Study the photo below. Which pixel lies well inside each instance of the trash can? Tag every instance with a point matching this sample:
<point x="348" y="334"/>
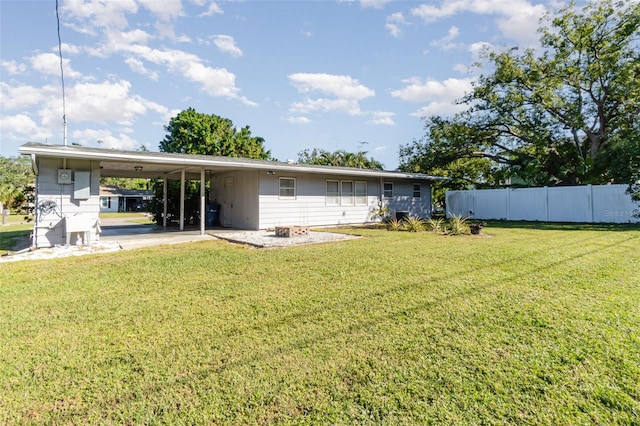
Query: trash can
<point x="213" y="211"/>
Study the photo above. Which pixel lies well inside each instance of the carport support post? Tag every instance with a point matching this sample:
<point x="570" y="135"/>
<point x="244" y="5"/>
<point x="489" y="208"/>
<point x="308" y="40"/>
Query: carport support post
<point x="182" y="200"/>
<point x="164" y="202"/>
<point x="202" y="205"/>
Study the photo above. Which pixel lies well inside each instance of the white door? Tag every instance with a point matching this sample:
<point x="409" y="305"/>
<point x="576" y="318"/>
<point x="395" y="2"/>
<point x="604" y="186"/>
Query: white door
<point x="227" y="203"/>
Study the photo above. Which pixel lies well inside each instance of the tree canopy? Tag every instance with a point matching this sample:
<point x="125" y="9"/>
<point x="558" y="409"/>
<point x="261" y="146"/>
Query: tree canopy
<point x="563" y="115"/>
<point x="192" y="132"/>
<point x="16" y="181"/>
<point x="340" y="158"/>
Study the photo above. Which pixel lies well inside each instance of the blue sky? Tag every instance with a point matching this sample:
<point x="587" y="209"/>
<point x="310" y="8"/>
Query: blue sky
<point x="353" y="75"/>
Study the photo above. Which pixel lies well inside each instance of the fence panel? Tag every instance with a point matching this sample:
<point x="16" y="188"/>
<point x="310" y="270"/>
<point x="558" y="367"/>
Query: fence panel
<point x="590" y="203"/>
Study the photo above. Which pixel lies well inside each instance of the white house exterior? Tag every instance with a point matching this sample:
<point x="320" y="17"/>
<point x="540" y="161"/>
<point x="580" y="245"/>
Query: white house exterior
<point x="252" y="194"/>
<point x="113" y="199"/>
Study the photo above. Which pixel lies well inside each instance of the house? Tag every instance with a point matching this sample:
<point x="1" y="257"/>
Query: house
<point x="252" y="194"/>
<point x="114" y="199"/>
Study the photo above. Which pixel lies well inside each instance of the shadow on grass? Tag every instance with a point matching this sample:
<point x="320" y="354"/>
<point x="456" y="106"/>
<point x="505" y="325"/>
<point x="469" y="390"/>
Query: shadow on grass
<point x="562" y="226"/>
<point x="9" y="239"/>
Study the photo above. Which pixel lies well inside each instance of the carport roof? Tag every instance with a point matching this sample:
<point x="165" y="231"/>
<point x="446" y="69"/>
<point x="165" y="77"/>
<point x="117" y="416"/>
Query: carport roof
<point x="145" y="164"/>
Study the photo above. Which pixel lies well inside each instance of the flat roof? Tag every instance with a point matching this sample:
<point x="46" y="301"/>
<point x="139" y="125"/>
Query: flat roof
<point x="146" y="164"/>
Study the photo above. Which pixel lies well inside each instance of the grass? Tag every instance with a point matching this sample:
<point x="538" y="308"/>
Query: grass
<point x="520" y="325"/>
<point x="11" y="233"/>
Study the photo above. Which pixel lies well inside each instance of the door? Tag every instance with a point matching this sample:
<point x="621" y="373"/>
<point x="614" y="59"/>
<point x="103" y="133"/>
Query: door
<point x="227" y="203"/>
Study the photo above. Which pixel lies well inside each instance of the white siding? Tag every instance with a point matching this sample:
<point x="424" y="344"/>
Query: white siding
<point x="309" y="207"/>
<point x="49" y="229"/>
<point x="403" y="200"/>
<point x="239" y="203"/>
<point x="589" y="203"/>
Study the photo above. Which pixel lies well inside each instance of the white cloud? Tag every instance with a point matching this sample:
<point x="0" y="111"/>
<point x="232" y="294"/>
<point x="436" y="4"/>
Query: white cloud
<point x="49" y="64"/>
<point x="347" y="92"/>
<point x="13" y="67"/>
<point x="104" y="138"/>
<point x="382" y="118"/>
<point x="446" y="42"/>
<point x="214" y="9"/>
<point x="15" y="97"/>
<point x="374" y="4"/>
<point x="518" y="19"/>
<point x="440" y="96"/>
<point x="298" y="120"/>
<point x="20" y="126"/>
<point x="341" y="86"/>
<point x="227" y="44"/>
<point x="394" y="23"/>
<point x="101" y="13"/>
<point x="138" y="67"/>
<point x="165" y="10"/>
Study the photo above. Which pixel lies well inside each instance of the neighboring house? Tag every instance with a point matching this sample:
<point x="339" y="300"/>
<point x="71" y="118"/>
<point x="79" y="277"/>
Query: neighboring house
<point x="252" y="194"/>
<point x="114" y="199"/>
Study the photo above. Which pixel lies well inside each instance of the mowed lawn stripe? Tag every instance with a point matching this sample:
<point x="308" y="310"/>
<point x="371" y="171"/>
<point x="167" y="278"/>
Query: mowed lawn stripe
<point x="521" y="325"/>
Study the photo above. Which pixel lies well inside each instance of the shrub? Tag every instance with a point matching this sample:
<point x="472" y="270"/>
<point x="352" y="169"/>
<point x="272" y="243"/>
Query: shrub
<point x="436" y="225"/>
<point x="395" y="225"/>
<point x="457" y="225"/>
<point x="413" y="224"/>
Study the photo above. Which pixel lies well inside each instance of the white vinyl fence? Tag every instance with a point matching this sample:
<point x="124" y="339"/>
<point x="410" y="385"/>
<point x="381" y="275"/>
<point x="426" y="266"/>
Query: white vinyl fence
<point x="590" y="203"/>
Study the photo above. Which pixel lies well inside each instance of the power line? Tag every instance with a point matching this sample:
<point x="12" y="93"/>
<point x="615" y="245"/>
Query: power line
<point x="64" y="106"/>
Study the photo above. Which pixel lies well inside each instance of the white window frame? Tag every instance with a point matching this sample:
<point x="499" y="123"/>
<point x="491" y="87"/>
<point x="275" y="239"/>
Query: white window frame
<point x="348" y="198"/>
<point x="360" y="196"/>
<point x="384" y="190"/>
<point x="281" y="188"/>
<point x="332" y="198"/>
<point x="419" y="190"/>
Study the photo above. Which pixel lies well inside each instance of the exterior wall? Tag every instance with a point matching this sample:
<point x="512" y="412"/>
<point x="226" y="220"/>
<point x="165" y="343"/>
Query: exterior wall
<point x="56" y="202"/>
<point x="237" y="194"/>
<point x="589" y="203"/>
<point x="403" y="201"/>
<point x="309" y="208"/>
<point x="114" y="204"/>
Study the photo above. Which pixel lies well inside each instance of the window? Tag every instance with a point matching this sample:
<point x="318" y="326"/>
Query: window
<point x="106" y="202"/>
<point x="416" y="190"/>
<point x="361" y="193"/>
<point x="346" y="193"/>
<point x="287" y="188"/>
<point x="333" y="193"/>
<point x="388" y="190"/>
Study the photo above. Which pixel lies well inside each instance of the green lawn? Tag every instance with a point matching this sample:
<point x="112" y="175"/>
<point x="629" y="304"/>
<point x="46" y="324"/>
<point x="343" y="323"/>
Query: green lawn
<point x="528" y="324"/>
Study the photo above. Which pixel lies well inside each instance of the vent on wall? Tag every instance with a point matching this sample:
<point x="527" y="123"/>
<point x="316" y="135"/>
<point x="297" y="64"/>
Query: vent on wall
<point x="64" y="176"/>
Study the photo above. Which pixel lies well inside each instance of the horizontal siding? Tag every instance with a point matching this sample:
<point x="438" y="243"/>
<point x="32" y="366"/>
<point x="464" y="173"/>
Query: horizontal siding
<point x="310" y="208"/>
<point x="403" y="200"/>
<point x="49" y="229"/>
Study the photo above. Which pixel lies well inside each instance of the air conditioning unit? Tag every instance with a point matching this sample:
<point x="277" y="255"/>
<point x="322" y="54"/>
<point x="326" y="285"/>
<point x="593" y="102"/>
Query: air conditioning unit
<point x="64" y="176"/>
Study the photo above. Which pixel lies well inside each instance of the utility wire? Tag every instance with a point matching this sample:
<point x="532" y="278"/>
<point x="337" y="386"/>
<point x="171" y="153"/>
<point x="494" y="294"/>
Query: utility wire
<point x="64" y="106"/>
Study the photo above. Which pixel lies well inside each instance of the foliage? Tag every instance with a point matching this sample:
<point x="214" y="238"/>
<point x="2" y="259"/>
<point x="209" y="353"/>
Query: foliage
<point x="16" y="182"/>
<point x="395" y="224"/>
<point x="191" y="132"/>
<point x="413" y="224"/>
<point x="381" y="212"/>
<point x="340" y="158"/>
<point x="567" y="115"/>
<point x="436" y="225"/>
<point x="457" y="225"/>
<point x="537" y="326"/>
<point x="125" y="183"/>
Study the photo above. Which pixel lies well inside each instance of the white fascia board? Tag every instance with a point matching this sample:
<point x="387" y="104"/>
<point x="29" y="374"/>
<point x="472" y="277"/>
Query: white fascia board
<point x="180" y="160"/>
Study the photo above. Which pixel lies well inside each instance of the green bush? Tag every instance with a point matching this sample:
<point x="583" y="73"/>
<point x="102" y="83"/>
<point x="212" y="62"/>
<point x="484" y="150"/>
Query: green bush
<point x="457" y="225"/>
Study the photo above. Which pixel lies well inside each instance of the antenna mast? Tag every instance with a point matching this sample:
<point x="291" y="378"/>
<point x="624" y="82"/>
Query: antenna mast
<point x="64" y="106"/>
